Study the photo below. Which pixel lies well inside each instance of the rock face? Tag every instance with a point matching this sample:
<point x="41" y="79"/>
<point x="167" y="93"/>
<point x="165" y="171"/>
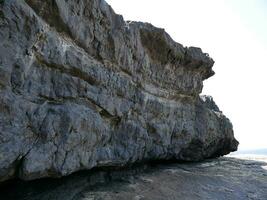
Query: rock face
<point x="82" y="88"/>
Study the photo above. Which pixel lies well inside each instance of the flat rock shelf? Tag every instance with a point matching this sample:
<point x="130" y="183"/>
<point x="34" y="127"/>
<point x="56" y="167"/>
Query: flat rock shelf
<point x="225" y="178"/>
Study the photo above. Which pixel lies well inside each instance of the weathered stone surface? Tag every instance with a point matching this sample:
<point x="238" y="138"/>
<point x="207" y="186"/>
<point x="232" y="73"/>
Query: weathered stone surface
<point x="217" y="179"/>
<point x="82" y="88"/>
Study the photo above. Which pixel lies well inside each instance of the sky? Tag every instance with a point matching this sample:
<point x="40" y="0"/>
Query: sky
<point x="234" y="34"/>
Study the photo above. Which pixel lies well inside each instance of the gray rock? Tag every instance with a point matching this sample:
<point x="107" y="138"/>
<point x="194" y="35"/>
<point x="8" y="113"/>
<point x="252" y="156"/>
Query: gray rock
<point x="224" y="178"/>
<point x="81" y="88"/>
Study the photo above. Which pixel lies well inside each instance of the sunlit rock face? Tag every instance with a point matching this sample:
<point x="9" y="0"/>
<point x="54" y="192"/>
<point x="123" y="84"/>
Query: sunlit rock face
<point x="82" y="88"/>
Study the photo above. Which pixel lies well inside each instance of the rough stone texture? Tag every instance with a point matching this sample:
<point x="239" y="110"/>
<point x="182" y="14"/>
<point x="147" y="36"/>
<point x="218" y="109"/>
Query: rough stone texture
<point x="82" y="88"/>
<point x="215" y="179"/>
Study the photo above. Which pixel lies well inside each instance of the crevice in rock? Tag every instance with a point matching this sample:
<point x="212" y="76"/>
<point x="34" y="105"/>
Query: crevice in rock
<point x="17" y="79"/>
<point x="2" y="86"/>
<point x="19" y="165"/>
<point x="2" y="16"/>
<point x="20" y="160"/>
<point x="72" y="71"/>
<point x="113" y="120"/>
<point x="127" y="72"/>
<point x="49" y="12"/>
<point x="151" y="129"/>
<point x="105" y="114"/>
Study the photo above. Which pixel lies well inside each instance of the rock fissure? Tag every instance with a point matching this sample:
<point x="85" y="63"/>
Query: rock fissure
<point x="72" y="71"/>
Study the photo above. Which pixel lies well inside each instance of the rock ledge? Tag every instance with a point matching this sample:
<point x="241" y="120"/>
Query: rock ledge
<point x="81" y="88"/>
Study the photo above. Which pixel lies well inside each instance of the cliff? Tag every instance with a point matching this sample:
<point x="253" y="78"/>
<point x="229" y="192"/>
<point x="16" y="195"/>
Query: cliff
<point x="81" y="88"/>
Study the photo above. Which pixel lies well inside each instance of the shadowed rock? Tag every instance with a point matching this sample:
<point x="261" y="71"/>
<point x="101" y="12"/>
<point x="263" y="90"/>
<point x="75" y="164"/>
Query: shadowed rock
<point x="218" y="179"/>
<point x="81" y="88"/>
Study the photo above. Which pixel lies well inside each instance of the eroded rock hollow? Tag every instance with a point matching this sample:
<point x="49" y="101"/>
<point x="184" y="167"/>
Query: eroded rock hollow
<point x="82" y="88"/>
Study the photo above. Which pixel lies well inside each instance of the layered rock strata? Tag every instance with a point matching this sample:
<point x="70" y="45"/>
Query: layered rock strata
<point x="81" y="88"/>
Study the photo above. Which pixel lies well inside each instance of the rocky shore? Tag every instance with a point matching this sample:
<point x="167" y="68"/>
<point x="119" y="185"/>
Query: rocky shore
<point x="225" y="178"/>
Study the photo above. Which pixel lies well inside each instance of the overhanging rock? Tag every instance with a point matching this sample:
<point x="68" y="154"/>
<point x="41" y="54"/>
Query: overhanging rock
<point x="82" y="88"/>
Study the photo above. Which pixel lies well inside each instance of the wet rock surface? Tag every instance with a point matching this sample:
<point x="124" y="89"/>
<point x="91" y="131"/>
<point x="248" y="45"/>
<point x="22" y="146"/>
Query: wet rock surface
<point x="81" y="88"/>
<point x="224" y="178"/>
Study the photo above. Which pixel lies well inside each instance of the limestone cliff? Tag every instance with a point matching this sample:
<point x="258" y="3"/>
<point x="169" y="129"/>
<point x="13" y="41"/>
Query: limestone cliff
<point x="82" y="88"/>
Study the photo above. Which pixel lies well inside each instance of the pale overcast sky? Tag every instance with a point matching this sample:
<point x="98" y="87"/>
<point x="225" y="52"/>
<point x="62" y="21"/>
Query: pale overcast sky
<point x="234" y="33"/>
